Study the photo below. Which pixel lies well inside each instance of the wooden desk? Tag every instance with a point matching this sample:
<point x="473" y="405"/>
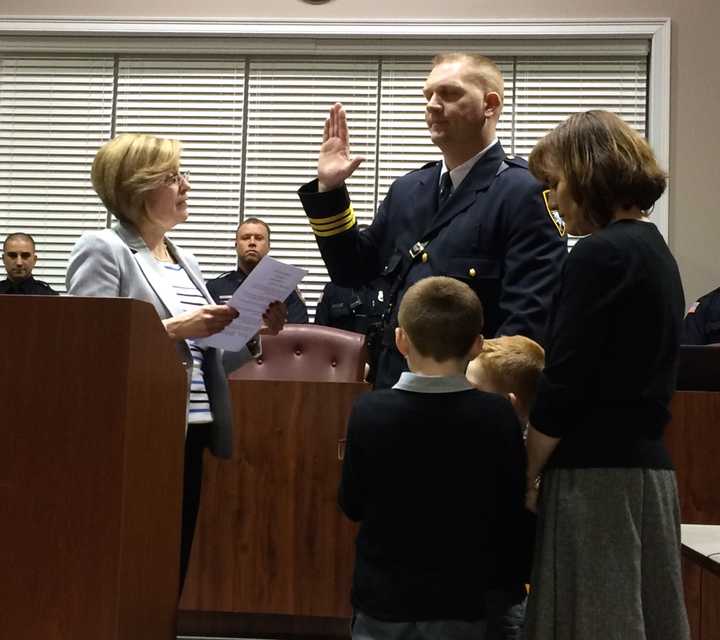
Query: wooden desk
<point x="693" y="439"/>
<point x="701" y="577"/>
<point x="273" y="555"/>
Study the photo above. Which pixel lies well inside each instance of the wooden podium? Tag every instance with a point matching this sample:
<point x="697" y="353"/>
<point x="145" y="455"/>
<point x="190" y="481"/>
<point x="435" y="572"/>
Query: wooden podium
<point x="93" y="401"/>
<point x="273" y="554"/>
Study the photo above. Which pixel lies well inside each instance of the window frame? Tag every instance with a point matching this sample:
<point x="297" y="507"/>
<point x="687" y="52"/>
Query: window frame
<point x="334" y="37"/>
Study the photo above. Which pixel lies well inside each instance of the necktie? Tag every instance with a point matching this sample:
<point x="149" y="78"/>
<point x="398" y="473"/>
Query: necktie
<point x="446" y="187"/>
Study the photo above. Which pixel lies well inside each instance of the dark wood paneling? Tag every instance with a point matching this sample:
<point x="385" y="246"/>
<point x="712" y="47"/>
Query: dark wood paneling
<point x="249" y="625"/>
<point x="710" y="616"/>
<point x="93" y="408"/>
<point x="693" y="438"/>
<point x="271" y="539"/>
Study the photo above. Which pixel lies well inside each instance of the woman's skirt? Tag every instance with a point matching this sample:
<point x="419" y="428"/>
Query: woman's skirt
<point x="607" y="557"/>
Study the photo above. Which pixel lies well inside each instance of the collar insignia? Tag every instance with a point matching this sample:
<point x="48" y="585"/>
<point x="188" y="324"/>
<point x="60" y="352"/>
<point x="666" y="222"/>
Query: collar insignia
<point x="554" y="215"/>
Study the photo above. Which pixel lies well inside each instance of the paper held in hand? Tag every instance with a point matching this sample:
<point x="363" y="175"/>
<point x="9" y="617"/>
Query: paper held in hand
<point x="269" y="281"/>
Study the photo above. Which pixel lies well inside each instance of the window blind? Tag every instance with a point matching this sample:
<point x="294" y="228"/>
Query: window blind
<point x="54" y="114"/>
<point x="251" y="127"/>
<point x="201" y="103"/>
<point x="288" y="102"/>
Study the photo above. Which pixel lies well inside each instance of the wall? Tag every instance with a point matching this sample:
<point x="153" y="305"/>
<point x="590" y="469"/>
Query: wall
<point x="695" y="84"/>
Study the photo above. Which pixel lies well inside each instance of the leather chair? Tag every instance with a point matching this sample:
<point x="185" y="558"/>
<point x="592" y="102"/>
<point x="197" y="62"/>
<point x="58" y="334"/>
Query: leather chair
<point x="308" y="352"/>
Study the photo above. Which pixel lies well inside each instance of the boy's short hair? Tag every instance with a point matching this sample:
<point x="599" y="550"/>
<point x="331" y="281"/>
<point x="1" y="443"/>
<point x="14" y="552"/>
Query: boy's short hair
<point x="511" y="364"/>
<point x="442" y="317"/>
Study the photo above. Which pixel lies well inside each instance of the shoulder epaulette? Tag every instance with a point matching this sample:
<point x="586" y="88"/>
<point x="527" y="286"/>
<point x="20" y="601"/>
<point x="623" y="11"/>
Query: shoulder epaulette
<point x="516" y="161"/>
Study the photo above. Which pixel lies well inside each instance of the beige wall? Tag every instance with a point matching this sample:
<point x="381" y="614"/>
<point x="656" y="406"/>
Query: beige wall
<point x="695" y="101"/>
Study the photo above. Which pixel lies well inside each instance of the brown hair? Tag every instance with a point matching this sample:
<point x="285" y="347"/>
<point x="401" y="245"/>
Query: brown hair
<point x="606" y="164"/>
<point x="442" y="317"/>
<point x="484" y="71"/>
<point x="512" y="364"/>
<point x="254" y="221"/>
<point x="130" y="165"/>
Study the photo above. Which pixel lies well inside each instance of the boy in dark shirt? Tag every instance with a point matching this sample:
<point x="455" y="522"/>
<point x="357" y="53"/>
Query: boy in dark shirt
<point x="434" y="470"/>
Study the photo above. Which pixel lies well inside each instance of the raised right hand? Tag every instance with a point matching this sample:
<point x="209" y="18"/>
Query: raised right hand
<point x="201" y="322"/>
<point x="335" y="164"/>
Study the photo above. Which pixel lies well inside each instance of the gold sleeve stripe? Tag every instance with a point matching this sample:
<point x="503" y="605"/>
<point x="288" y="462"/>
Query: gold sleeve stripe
<point x="334" y="232"/>
<point x="327" y="226"/>
<point x="321" y="221"/>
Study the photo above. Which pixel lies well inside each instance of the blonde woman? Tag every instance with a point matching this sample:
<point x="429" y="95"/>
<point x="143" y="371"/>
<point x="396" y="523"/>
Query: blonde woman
<point x="139" y="181"/>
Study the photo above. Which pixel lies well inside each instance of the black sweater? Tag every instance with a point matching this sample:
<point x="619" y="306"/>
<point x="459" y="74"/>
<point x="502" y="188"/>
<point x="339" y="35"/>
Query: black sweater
<point x="612" y="351"/>
<point x="437" y="481"/>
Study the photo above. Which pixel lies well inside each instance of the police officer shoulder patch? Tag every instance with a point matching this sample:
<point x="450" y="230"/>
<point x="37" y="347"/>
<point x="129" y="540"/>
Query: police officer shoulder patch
<point x="554" y="215"/>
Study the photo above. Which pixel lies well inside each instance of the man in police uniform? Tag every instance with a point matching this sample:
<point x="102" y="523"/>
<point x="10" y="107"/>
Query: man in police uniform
<point x="19" y="258"/>
<point x="252" y="243"/>
<point x="702" y="322"/>
<point x="477" y="215"/>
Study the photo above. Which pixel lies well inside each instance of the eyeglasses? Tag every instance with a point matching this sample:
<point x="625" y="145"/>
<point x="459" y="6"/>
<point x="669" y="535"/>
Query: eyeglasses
<point x="177" y="177"/>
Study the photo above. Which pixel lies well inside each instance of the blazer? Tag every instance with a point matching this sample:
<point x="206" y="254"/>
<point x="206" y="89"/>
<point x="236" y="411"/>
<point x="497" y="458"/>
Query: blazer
<point x="116" y="262"/>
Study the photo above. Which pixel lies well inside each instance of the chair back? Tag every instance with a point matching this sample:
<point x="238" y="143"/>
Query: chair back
<point x="308" y="352"/>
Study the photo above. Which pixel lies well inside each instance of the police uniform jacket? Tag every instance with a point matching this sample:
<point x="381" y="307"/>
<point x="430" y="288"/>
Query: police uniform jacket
<point x="702" y="323"/>
<point x="117" y="263"/>
<point x="495" y="232"/>
<point x="29" y="286"/>
<point x="222" y="288"/>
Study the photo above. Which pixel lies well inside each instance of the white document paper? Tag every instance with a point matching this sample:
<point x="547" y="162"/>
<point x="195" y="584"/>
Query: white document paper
<point x="269" y="281"/>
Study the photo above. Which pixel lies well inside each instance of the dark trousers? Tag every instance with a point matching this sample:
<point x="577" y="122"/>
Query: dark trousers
<point x="364" y="627"/>
<point x="196" y="441"/>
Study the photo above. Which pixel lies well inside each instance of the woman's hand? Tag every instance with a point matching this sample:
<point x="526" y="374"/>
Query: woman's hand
<point x="274" y="318"/>
<point x="201" y="322"/>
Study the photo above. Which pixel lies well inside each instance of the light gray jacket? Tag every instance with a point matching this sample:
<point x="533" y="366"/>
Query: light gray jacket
<point x="117" y="263"/>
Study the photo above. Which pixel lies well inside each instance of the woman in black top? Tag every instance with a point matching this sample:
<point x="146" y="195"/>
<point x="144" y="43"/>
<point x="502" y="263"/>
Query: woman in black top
<point x="608" y="551"/>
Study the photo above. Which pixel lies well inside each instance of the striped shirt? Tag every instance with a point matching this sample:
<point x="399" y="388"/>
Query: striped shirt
<point x="190" y="298"/>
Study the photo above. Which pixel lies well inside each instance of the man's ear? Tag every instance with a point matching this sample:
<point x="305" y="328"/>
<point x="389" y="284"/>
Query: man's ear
<point x="401" y="341"/>
<point x="493" y="104"/>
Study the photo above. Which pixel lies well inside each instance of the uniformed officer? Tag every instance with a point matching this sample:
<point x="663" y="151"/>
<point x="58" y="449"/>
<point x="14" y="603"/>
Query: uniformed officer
<point x="477" y="215"/>
<point x="252" y="243"/>
<point x="19" y="258"/>
<point x="702" y="322"/>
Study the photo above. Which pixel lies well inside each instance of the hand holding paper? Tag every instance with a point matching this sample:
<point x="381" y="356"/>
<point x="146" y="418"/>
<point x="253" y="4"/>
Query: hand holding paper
<point x="270" y="281"/>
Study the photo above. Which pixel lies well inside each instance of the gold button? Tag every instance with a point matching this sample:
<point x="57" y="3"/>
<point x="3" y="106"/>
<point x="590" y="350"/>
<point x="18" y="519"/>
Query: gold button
<point x="472" y="273"/>
<point x="424" y="257"/>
